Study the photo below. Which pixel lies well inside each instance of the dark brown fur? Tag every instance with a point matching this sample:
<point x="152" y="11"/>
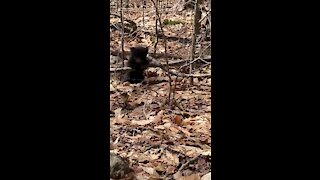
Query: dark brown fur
<point x="139" y="63"/>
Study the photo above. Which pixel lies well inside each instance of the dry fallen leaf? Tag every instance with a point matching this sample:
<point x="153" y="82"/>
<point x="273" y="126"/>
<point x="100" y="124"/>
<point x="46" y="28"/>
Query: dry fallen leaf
<point x="190" y="151"/>
<point x="177" y="119"/>
<point x="158" y="118"/>
<point x="177" y="175"/>
<point x="141" y="122"/>
<point x="117" y="113"/>
<point x="172" y="159"/>
<point x="154" y="157"/>
<point x="119" y="117"/>
<point x="112" y="89"/>
<point x="206" y="153"/>
<point x="187" y="133"/>
<point x="150" y="171"/>
<point x="192" y="177"/>
<point x="206" y="177"/>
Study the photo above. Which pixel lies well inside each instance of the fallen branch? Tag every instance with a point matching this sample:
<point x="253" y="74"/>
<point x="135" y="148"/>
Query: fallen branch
<point x="154" y="63"/>
<point x="157" y="55"/>
<point x="173" y="62"/>
<point x="177" y="73"/>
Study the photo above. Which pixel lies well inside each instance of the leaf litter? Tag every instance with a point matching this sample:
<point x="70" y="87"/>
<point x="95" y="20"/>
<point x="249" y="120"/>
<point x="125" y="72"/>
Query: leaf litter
<point x="160" y="142"/>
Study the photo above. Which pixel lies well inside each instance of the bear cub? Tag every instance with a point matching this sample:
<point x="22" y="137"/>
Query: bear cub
<point x="139" y="63"/>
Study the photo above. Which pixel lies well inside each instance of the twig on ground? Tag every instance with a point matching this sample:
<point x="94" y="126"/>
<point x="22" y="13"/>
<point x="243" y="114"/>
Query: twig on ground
<point x="187" y="163"/>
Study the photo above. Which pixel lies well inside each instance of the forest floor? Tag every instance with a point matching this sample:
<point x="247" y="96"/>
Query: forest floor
<point x="161" y="141"/>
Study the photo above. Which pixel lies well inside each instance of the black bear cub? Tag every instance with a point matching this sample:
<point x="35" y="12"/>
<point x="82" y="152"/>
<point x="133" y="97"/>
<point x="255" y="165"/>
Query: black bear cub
<point x="138" y="62"/>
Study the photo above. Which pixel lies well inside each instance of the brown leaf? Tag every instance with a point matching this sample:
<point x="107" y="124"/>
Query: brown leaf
<point x="154" y="157"/>
<point x="160" y="167"/>
<point x="174" y="129"/>
<point x="190" y="151"/>
<point x="112" y="89"/>
<point x="137" y="112"/>
<point x="187" y="133"/>
<point x="177" y="119"/>
<point x="172" y="159"/>
<point x="170" y="169"/>
<point x="192" y="177"/>
<point x="119" y="117"/>
<point x="117" y="113"/>
<point x="158" y="118"/>
<point x="150" y="171"/>
<point x="161" y="127"/>
<point x="206" y="177"/>
<point x="177" y="176"/>
<point x="186" y="122"/>
<point x="141" y="122"/>
<point x="167" y="125"/>
<point x="112" y="146"/>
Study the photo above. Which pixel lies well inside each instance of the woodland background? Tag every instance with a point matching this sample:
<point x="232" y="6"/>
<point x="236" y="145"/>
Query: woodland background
<point x="162" y="129"/>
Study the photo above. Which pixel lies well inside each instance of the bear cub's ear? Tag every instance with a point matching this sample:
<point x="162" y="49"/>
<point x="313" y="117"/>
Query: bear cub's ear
<point x="142" y="50"/>
<point x="132" y="49"/>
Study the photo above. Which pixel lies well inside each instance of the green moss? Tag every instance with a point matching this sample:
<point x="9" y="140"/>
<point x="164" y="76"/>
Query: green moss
<point x="168" y="22"/>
